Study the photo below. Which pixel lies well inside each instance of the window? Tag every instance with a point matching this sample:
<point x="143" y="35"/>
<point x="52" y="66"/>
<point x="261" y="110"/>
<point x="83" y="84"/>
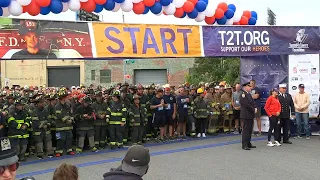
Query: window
<point x="105" y="76"/>
<point x="93" y="75"/>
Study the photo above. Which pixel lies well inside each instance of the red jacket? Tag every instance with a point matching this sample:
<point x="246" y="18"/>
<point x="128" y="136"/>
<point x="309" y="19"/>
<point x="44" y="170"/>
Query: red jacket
<point x="272" y="106"/>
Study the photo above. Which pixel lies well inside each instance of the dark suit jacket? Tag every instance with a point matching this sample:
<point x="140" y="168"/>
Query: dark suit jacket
<point x="247" y="106"/>
<point x="287" y="106"/>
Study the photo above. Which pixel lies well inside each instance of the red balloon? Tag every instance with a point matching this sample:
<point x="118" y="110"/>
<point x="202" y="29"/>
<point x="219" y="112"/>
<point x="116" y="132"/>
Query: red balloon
<point x="236" y="23"/>
<point x="179" y="12"/>
<point x="188" y="7"/>
<point x="24" y="9"/>
<point x="194" y="1"/>
<point x="244" y="20"/>
<point x="223" y="6"/>
<point x="43" y="3"/>
<point x="149" y="3"/>
<point x="138" y="8"/>
<point x="100" y="2"/>
<point x="210" y="20"/>
<point x="219" y="13"/>
<point x="88" y="6"/>
<point x="247" y="14"/>
<point x="33" y="8"/>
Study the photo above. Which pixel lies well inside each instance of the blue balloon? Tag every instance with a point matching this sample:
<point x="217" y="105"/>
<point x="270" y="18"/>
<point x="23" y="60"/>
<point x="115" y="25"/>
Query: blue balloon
<point x="233" y="7"/>
<point x="5" y="3"/>
<point x="156" y="8"/>
<point x="165" y="2"/>
<point x="109" y="5"/>
<point x="184" y="15"/>
<point x="201" y="6"/>
<point x="252" y="21"/>
<point x="119" y="1"/>
<point x="65" y="1"/>
<point x="229" y="14"/>
<point x="1" y="12"/>
<point x="99" y="8"/>
<point x="146" y="10"/>
<point x="222" y="21"/>
<point x="56" y="6"/>
<point x="254" y="14"/>
<point x="193" y="14"/>
<point x="206" y="1"/>
<point x="45" y="10"/>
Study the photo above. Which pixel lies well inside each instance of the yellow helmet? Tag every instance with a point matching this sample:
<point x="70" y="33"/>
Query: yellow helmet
<point x="200" y="91"/>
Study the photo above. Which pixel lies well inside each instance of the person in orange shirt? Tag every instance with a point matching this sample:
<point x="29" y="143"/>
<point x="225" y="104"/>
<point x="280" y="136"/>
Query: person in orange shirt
<point x="273" y="109"/>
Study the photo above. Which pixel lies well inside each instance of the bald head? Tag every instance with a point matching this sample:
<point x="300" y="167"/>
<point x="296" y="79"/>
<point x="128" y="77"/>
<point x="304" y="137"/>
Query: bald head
<point x="238" y="87"/>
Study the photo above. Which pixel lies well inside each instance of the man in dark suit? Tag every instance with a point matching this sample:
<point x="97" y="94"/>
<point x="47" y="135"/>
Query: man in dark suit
<point x="287" y="110"/>
<point x="247" y="115"/>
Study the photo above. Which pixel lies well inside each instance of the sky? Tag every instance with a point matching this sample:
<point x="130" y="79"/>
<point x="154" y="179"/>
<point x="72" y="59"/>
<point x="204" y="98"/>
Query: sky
<point x="289" y="13"/>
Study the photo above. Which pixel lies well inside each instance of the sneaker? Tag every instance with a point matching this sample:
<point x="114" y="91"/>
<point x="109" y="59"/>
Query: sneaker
<point x="299" y="137"/>
<point x="204" y="135"/>
<point x="276" y="143"/>
<point x="199" y="135"/>
<point x="308" y="138"/>
<point x="270" y="144"/>
<point x="40" y="157"/>
<point x="50" y="156"/>
<point x="258" y="134"/>
<point x="235" y="132"/>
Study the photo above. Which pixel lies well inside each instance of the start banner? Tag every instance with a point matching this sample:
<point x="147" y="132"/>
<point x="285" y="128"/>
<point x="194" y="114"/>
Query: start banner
<point x="33" y="39"/>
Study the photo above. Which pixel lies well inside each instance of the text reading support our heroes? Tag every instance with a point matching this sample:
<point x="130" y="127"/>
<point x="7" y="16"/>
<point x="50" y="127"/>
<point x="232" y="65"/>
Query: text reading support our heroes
<point x="146" y="40"/>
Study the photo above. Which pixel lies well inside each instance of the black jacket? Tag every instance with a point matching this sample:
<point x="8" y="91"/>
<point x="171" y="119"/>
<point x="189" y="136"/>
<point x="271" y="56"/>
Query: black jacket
<point x="247" y="106"/>
<point x="118" y="174"/>
<point x="287" y="106"/>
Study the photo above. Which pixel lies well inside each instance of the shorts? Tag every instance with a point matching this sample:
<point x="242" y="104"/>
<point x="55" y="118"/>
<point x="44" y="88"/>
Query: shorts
<point x="182" y="118"/>
<point x="159" y="120"/>
<point x="169" y="120"/>
<point x="236" y="114"/>
<point x="258" y="114"/>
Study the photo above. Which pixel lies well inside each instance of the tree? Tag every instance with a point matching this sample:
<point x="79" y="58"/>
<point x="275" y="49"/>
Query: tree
<point x="215" y="69"/>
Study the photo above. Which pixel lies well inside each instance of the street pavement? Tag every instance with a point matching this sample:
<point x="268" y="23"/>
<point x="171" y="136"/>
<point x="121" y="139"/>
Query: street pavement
<point x="213" y="158"/>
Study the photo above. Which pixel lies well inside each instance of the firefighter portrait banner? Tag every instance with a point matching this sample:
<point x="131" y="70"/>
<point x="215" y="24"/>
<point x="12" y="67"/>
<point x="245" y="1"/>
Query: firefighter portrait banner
<point x="31" y="39"/>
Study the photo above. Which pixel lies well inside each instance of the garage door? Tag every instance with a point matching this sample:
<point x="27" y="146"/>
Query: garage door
<point x="66" y="76"/>
<point x="146" y="77"/>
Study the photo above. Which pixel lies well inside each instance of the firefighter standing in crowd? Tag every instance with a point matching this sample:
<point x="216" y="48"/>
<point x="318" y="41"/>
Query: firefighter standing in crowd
<point x="100" y="124"/>
<point x="216" y="111"/>
<point x="126" y="101"/>
<point x="144" y="103"/>
<point x="226" y="102"/>
<point x="149" y="128"/>
<point x="18" y="122"/>
<point x="201" y="113"/>
<point x="85" y="118"/>
<point x="50" y="107"/>
<point x="41" y="129"/>
<point x="118" y="117"/>
<point x="190" y="126"/>
<point x="63" y="125"/>
<point x="137" y="118"/>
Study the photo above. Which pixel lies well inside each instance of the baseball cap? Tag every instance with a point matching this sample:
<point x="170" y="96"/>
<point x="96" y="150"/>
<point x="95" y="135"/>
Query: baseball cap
<point x="282" y="85"/>
<point x="73" y="87"/>
<point x="7" y="152"/>
<point x="136" y="161"/>
<point x="301" y="85"/>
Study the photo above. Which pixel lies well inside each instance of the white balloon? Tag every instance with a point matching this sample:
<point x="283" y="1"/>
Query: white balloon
<point x="178" y="3"/>
<point x="5" y="12"/>
<point x="116" y="7"/>
<point x="127" y="6"/>
<point x="210" y="11"/>
<point x="74" y="5"/>
<point x="229" y="21"/>
<point x="83" y="0"/>
<point x="15" y="8"/>
<point x="237" y="16"/>
<point x="201" y="16"/>
<point x="136" y="1"/>
<point x="169" y="10"/>
<point x="24" y="2"/>
<point x="65" y="7"/>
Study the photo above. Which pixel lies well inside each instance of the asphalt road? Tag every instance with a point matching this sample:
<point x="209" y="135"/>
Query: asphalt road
<point x="218" y="158"/>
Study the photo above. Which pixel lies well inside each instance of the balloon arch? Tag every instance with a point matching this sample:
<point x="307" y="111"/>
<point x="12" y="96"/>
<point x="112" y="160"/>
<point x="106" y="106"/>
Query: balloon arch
<point x="200" y="10"/>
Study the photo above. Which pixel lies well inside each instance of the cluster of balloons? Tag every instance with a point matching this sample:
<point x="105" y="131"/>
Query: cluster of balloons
<point x="200" y="10"/>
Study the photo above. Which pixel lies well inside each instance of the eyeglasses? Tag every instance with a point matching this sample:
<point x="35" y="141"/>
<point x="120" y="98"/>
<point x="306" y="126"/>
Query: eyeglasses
<point x="11" y="168"/>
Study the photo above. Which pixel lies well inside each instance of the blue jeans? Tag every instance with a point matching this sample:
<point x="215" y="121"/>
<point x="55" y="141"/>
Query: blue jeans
<point x="305" y="118"/>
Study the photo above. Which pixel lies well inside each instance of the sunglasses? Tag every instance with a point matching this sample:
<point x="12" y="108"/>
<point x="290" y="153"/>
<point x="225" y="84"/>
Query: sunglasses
<point x="11" y="168"/>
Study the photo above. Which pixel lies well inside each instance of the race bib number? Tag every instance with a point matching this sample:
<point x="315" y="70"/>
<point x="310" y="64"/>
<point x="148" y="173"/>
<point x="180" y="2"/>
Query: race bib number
<point x="169" y="107"/>
<point x="227" y="106"/>
<point x="237" y="103"/>
<point x="58" y="135"/>
<point x="160" y="108"/>
<point x="185" y="106"/>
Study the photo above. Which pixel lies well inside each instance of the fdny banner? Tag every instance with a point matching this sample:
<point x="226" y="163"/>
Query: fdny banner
<point x="267" y="71"/>
<point x="259" y="40"/>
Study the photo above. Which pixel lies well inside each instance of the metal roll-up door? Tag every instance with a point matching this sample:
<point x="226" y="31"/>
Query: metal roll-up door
<point x="149" y="76"/>
<point x="66" y="76"/>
